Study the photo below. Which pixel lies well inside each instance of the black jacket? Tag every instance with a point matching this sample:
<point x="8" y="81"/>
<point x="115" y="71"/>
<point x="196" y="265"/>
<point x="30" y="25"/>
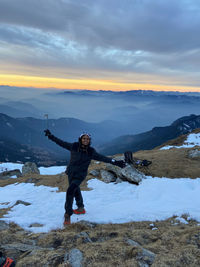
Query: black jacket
<point x="80" y="158"/>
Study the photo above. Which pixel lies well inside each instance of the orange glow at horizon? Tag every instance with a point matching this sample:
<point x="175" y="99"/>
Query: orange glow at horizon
<point x="88" y="84"/>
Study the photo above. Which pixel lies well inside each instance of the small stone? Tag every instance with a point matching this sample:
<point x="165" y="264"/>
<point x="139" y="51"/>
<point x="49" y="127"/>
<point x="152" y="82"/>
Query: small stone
<point x="36" y="225"/>
<point x="3" y="226"/>
<point x="118" y="180"/>
<point x="74" y="258"/>
<point x="32" y="180"/>
<point x="18" y="202"/>
<point x="85" y="237"/>
<point x="146" y="256"/>
<point x="87" y="223"/>
<point x="20" y="247"/>
<point x="94" y="173"/>
<point x="132" y="243"/>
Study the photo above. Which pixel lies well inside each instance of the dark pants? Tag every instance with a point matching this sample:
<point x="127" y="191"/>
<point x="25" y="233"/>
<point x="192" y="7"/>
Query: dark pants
<point x="73" y="191"/>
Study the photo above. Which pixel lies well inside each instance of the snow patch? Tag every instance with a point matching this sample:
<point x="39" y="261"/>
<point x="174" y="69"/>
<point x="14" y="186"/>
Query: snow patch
<point x="154" y="199"/>
<point x="191" y="141"/>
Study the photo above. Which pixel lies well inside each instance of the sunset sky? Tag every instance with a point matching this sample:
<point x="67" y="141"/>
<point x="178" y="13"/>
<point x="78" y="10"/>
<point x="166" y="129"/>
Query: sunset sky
<point x="102" y="44"/>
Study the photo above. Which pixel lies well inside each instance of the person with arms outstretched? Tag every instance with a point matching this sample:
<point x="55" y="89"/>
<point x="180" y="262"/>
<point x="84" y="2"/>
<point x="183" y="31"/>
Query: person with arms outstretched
<point x="81" y="155"/>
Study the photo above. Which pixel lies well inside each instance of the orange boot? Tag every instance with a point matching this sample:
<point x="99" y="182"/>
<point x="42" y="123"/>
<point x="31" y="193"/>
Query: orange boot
<point x="67" y="219"/>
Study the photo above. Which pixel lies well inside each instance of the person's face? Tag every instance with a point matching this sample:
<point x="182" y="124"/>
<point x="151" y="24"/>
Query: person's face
<point x="85" y="140"/>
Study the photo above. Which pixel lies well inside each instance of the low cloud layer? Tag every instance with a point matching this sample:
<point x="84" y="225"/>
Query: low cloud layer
<point x="126" y="39"/>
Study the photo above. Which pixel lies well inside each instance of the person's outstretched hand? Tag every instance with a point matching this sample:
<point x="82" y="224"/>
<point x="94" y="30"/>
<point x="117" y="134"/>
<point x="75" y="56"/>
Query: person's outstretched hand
<point x="119" y="163"/>
<point x="47" y="132"/>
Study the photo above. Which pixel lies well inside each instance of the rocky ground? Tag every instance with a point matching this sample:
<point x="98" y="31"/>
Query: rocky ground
<point x="161" y="243"/>
<point x="172" y="242"/>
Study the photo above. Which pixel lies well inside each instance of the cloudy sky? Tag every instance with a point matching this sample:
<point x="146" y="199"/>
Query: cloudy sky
<point x="101" y="44"/>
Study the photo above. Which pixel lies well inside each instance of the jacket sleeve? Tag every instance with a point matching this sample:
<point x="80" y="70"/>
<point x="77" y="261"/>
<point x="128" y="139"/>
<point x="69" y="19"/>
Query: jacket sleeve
<point x="60" y="142"/>
<point x="97" y="156"/>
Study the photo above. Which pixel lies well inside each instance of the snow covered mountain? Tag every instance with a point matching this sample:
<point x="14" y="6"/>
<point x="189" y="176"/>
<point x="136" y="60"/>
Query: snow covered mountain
<point x="153" y="138"/>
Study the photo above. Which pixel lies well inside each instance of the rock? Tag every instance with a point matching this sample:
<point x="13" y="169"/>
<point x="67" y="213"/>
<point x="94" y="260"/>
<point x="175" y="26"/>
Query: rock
<point x="3" y="226"/>
<point x="118" y="181"/>
<point x="94" y="173"/>
<point x="107" y="176"/>
<point x="74" y="258"/>
<point x="20" y="247"/>
<point x="114" y="169"/>
<point x="41" y="259"/>
<point x="32" y="180"/>
<point x="144" y="256"/>
<point x="36" y="225"/>
<point x="85" y="236"/>
<point x="87" y="224"/>
<point x="194" y="153"/>
<point x="8" y="174"/>
<point x="119" y="157"/>
<point x="129" y="173"/>
<point x="30" y="168"/>
<point x="22" y="202"/>
<point x="143" y="264"/>
<point x="132" y="175"/>
<point x="132" y="243"/>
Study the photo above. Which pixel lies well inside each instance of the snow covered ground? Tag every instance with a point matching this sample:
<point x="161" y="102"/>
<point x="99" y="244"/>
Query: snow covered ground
<point x="154" y="199"/>
<point x="191" y="141"/>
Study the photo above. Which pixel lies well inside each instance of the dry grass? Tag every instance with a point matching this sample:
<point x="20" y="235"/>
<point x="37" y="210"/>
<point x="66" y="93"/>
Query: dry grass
<point x="59" y="180"/>
<point x="174" y="245"/>
<point x="172" y="163"/>
<point x="4" y="211"/>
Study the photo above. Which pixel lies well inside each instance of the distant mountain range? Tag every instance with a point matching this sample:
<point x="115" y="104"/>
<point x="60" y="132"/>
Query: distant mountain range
<point x="23" y="138"/>
<point x="19" y="134"/>
<point x="151" y="139"/>
<point x="132" y="111"/>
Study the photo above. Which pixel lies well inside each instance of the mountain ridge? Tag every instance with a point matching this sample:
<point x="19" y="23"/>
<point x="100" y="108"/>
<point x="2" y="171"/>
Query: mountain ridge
<point x="153" y="138"/>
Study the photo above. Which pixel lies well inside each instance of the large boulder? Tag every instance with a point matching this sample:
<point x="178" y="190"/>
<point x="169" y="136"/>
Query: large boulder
<point x="129" y="173"/>
<point x="194" y="154"/>
<point x="30" y="168"/>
